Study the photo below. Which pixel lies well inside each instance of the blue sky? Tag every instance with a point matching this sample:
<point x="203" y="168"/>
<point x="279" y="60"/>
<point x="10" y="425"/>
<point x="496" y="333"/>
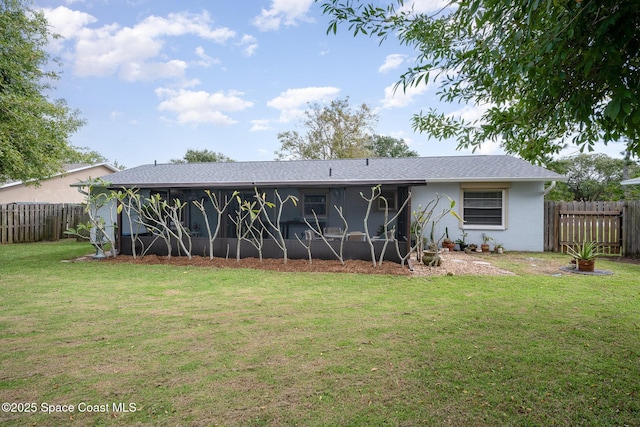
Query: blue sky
<point x="155" y="78"/>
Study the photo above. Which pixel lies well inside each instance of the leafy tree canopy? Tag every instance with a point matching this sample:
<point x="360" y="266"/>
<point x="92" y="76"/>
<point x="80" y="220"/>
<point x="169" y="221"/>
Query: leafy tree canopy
<point x="336" y="131"/>
<point x="85" y="155"/>
<point x="593" y="177"/>
<point x="202" y="156"/>
<point x="34" y="130"/>
<point x="551" y="73"/>
<point x="332" y="132"/>
<point x="387" y="146"/>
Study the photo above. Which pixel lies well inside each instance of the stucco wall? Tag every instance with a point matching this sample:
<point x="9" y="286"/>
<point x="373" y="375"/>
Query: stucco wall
<point x="54" y="190"/>
<point x="525" y="215"/>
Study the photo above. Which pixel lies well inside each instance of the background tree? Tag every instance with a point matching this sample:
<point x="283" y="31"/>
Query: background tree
<point x="34" y="130"/>
<point x="387" y="146"/>
<point x="592" y="177"/>
<point x="548" y="72"/>
<point x="85" y="155"/>
<point x="202" y="156"/>
<point x="332" y="132"/>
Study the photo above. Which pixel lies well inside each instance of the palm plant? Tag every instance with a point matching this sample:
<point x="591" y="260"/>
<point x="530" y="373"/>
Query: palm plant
<point x="586" y="251"/>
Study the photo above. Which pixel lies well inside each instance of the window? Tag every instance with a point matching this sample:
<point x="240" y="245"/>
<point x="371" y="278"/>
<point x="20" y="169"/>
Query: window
<point x="314" y="203"/>
<point x="392" y="200"/>
<point x="484" y="208"/>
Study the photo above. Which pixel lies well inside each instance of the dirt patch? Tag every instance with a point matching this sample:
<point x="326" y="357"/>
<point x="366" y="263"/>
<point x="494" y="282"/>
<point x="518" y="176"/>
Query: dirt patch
<point x="459" y="264"/>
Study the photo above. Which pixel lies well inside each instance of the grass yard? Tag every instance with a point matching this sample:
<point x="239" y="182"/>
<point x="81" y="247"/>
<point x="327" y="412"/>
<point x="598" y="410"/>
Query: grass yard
<point x="167" y="345"/>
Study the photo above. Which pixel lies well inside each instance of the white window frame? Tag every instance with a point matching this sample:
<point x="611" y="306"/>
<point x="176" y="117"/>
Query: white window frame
<point x="475" y="187"/>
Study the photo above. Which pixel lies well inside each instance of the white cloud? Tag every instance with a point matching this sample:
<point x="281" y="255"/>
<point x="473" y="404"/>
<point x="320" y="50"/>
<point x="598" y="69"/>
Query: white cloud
<point x="195" y="107"/>
<point x="249" y="44"/>
<point x="149" y="71"/>
<point x="283" y="12"/>
<point x="260" y="125"/>
<point x="129" y="51"/>
<point x="392" y="62"/>
<point x="398" y="98"/>
<point x="67" y="23"/>
<point x="292" y="102"/>
<point x="205" y="60"/>
<point x="427" y="6"/>
<point x="471" y="113"/>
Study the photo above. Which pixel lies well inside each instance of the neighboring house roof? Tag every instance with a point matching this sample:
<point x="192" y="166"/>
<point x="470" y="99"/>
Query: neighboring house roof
<point x="633" y="181"/>
<point x="68" y="168"/>
<point x="410" y="171"/>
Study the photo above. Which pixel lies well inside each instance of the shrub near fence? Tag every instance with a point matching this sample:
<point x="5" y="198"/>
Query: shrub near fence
<point x="23" y="223"/>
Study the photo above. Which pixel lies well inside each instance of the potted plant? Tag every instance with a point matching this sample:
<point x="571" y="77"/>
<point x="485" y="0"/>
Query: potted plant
<point x="471" y="248"/>
<point x="461" y="242"/>
<point x="431" y="257"/>
<point x="585" y="255"/>
<point x="485" y="243"/>
<point x="447" y="242"/>
<point x="498" y="248"/>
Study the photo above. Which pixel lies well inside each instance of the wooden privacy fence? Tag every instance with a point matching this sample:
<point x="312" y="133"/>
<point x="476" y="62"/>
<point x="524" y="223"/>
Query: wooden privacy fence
<point x="614" y="225"/>
<point x="22" y="222"/>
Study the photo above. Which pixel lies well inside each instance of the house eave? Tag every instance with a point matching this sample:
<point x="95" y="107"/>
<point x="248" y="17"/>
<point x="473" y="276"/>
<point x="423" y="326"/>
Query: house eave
<point x="275" y="184"/>
<point x="493" y="179"/>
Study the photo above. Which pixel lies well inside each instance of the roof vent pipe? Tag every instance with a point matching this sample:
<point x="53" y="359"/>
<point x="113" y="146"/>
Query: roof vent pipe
<point x="155" y="163"/>
<point x="367" y="162"/>
<point x="329" y="171"/>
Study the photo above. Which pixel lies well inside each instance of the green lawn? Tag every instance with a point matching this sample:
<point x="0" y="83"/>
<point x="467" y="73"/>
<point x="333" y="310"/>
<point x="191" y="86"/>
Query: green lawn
<point x="197" y="346"/>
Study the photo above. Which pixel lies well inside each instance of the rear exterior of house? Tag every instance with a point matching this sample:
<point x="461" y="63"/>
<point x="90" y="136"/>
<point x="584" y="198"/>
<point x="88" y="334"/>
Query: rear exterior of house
<point x="501" y="197"/>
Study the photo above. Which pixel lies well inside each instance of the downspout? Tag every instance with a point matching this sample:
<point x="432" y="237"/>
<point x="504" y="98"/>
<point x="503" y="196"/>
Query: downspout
<point x="549" y="188"/>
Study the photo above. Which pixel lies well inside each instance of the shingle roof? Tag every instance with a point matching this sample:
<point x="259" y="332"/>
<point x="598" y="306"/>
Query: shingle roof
<point x="413" y="170"/>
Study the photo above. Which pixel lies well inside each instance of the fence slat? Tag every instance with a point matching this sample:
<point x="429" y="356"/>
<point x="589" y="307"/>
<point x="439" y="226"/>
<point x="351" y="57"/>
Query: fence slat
<point x="20" y="223"/>
<point x="615" y="225"/>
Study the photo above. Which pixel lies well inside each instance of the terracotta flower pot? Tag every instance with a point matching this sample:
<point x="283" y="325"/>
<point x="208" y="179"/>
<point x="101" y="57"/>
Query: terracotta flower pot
<point x="484" y="247"/>
<point x="586" y="264"/>
<point x="450" y="246"/>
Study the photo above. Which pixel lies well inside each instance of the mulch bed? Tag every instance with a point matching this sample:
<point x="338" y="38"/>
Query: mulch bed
<point x="292" y="265"/>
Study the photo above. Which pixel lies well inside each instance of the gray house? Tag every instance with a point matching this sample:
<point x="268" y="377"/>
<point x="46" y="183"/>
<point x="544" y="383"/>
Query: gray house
<point x="497" y="196"/>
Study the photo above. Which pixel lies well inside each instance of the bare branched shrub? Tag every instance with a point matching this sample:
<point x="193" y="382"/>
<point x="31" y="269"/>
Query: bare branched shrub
<point x="276" y="234"/>
<point x="96" y="228"/>
<point x="317" y="230"/>
<point x="129" y="199"/>
<point x="177" y="227"/>
<point x="220" y="208"/>
<point x="164" y="220"/>
<point x="422" y="217"/>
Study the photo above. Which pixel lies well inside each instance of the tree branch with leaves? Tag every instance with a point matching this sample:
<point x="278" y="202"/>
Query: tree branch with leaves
<point x="546" y="74"/>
